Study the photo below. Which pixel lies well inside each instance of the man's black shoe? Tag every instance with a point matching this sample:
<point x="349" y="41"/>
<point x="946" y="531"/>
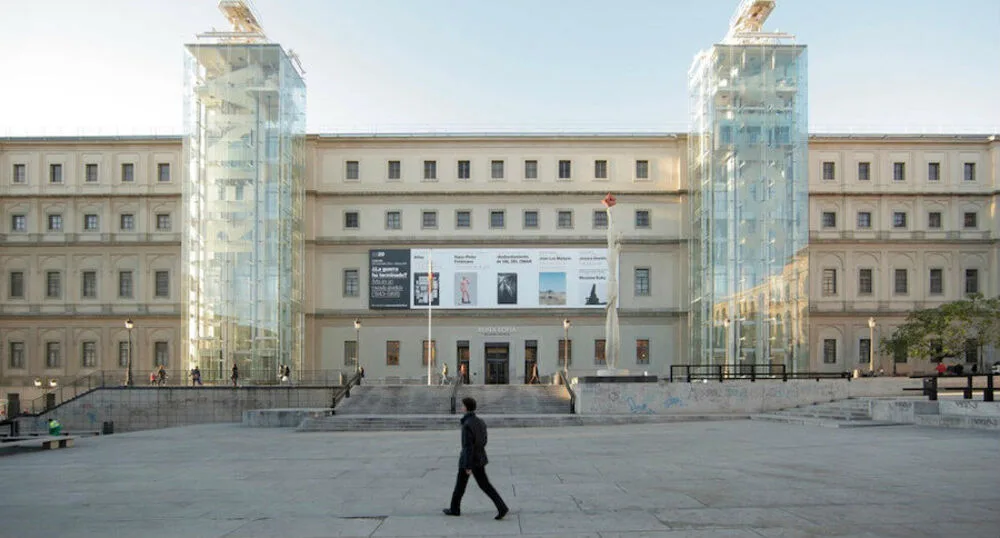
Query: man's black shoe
<point x="502" y="513"/>
<point x="450" y="512"/>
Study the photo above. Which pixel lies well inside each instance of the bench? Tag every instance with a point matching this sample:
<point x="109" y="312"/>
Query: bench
<point x="47" y="442"/>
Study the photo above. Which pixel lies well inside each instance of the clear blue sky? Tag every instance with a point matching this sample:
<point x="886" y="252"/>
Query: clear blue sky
<point x="116" y="66"/>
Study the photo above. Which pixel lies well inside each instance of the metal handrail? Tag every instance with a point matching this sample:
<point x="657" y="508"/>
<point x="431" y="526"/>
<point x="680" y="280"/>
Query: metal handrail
<point x="572" y="394"/>
<point x="753" y="372"/>
<point x="454" y="394"/>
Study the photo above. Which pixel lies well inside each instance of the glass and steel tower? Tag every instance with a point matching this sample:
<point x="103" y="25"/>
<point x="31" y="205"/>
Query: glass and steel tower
<point x="747" y="154"/>
<point x="244" y="150"/>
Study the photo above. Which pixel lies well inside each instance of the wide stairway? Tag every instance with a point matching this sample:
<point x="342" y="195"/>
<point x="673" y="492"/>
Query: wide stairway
<point x="396" y="400"/>
<point x="849" y="413"/>
<point x="517" y="399"/>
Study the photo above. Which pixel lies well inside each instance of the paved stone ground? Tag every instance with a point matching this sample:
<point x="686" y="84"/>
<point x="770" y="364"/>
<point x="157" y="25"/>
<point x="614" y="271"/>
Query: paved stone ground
<point x="734" y="479"/>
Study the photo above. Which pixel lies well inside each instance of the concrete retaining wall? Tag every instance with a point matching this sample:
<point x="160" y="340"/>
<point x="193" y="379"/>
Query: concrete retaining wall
<point x="147" y="408"/>
<point x="728" y="397"/>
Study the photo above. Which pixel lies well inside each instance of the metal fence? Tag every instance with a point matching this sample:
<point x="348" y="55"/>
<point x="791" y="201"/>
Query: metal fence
<point x="752" y="372"/>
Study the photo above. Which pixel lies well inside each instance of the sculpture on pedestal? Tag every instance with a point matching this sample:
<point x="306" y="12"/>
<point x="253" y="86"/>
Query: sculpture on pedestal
<point x="612" y="340"/>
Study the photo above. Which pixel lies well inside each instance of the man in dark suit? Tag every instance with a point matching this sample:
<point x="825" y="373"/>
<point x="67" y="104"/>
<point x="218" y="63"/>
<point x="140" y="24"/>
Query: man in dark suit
<point x="473" y="462"/>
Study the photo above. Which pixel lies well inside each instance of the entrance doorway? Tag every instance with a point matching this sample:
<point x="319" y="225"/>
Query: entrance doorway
<point x="531" y="362"/>
<point x="463" y="361"/>
<point x="497" y="363"/>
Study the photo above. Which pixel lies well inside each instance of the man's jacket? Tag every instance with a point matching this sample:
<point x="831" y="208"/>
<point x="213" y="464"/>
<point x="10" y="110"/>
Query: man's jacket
<point x="473" y="442"/>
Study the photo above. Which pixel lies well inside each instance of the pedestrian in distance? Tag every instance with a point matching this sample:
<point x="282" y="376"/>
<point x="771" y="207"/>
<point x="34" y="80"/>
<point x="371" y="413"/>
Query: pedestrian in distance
<point x="235" y="376"/>
<point x="472" y="462"/>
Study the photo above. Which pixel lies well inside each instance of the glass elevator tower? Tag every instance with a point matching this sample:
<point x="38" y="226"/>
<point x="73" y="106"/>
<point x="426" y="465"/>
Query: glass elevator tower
<point x="244" y="151"/>
<point x="747" y="154"/>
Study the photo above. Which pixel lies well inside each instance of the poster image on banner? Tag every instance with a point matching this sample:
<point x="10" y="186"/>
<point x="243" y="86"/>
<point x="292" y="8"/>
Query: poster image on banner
<point x="422" y="296"/>
<point x="389" y="279"/>
<point x="466" y="287"/>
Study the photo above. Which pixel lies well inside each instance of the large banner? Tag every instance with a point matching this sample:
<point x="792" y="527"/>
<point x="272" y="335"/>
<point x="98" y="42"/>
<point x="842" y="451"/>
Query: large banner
<point x="488" y="278"/>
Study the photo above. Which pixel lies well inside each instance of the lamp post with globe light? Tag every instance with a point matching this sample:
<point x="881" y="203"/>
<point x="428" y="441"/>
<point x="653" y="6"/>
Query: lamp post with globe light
<point x="357" y="340"/>
<point x="128" y="360"/>
<point x="871" y="346"/>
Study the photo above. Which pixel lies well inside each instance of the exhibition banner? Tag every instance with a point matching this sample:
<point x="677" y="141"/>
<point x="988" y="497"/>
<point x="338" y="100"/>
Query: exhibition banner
<point x="489" y="278"/>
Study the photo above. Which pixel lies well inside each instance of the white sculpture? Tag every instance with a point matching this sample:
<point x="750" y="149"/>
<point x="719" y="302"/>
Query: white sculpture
<point x="612" y="338"/>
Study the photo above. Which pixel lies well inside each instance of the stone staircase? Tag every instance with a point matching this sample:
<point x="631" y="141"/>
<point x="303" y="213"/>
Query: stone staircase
<point x="849" y="413"/>
<point x="517" y="399"/>
<point x="397" y="400"/>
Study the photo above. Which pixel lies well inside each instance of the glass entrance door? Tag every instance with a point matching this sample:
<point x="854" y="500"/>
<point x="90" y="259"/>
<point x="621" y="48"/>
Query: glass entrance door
<point x="497" y="363"/>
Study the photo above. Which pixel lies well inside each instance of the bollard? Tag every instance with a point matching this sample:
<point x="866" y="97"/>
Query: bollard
<point x="930" y="388"/>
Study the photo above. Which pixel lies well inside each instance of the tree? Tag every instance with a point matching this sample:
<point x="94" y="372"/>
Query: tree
<point x="944" y="332"/>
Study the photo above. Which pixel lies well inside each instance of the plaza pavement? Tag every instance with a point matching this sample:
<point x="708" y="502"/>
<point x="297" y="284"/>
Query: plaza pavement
<point x="732" y="479"/>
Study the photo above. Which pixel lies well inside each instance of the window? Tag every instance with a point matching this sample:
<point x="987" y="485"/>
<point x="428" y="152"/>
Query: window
<point x="393" y="220"/>
<point x="898" y="171"/>
<point x="829" y="351"/>
<point x="496" y="169"/>
<point x="600" y="219"/>
<point x="936" y="286"/>
<point x="864" y="171"/>
<point x="90" y="223"/>
<point x="829" y="282"/>
<point x="864" y="281"/>
<point x="565" y="357"/>
<point x="934" y="220"/>
<point x="433" y="352"/>
<point x="161" y="354"/>
<point x="15" y="289"/>
<point x="642" y="351"/>
<point x="899" y="219"/>
<point x="392" y="353"/>
<point x="828" y="170"/>
<point x="16" y="358"/>
<point x="350" y="352"/>
<point x="18" y="223"/>
<point x="352" y="220"/>
<point x="641" y="218"/>
<point x="497" y="218"/>
<point x="88" y="285"/>
<point x="55" y="173"/>
<point x="969" y="172"/>
<point x="163" y="172"/>
<point x="55" y="223"/>
<point x="601" y="169"/>
<point x="123" y="353"/>
<point x="128" y="172"/>
<point x="20" y="173"/>
<point x="864" y="350"/>
<point x="600" y="352"/>
<point x="53" y="284"/>
<point x="162" y="280"/>
<point x="641" y="288"/>
<point x="531" y="169"/>
<point x="352" y="283"/>
<point x="464" y="169"/>
<point x="864" y="220"/>
<point x="430" y="170"/>
<point x="901" y="284"/>
<point x="565" y="169"/>
<point x="642" y="169"/>
<point x="564" y="219"/>
<point x="429" y="219"/>
<point x="394" y="170"/>
<point x="530" y="219"/>
<point x="163" y="222"/>
<point x="463" y="219"/>
<point x="352" y="170"/>
<point x="53" y="354"/>
<point x="88" y="355"/>
<point x="970" y="219"/>
<point x="933" y="171"/>
<point x="126" y="289"/>
<point x="829" y="219"/>
<point x="90" y="173"/>
<point x="971" y="281"/>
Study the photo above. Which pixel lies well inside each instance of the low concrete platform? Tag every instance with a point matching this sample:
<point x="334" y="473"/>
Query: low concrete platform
<point x="344" y="423"/>
<point x="282" y="418"/>
<point x="732" y="479"/>
<point x="45" y="442"/>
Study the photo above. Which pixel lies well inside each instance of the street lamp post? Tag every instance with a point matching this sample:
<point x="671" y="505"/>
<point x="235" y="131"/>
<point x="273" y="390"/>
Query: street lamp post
<point x="357" y="340"/>
<point x="725" y="358"/>
<point x="871" y="346"/>
<point x="128" y="361"/>
<point x="566" y="325"/>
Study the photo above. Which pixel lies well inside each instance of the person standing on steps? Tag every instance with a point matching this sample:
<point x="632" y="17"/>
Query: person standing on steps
<point x="235" y="375"/>
<point x="473" y="462"/>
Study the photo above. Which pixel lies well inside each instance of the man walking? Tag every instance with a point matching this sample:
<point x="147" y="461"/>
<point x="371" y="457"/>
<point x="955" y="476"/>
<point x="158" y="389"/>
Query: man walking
<point x="473" y="462"/>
